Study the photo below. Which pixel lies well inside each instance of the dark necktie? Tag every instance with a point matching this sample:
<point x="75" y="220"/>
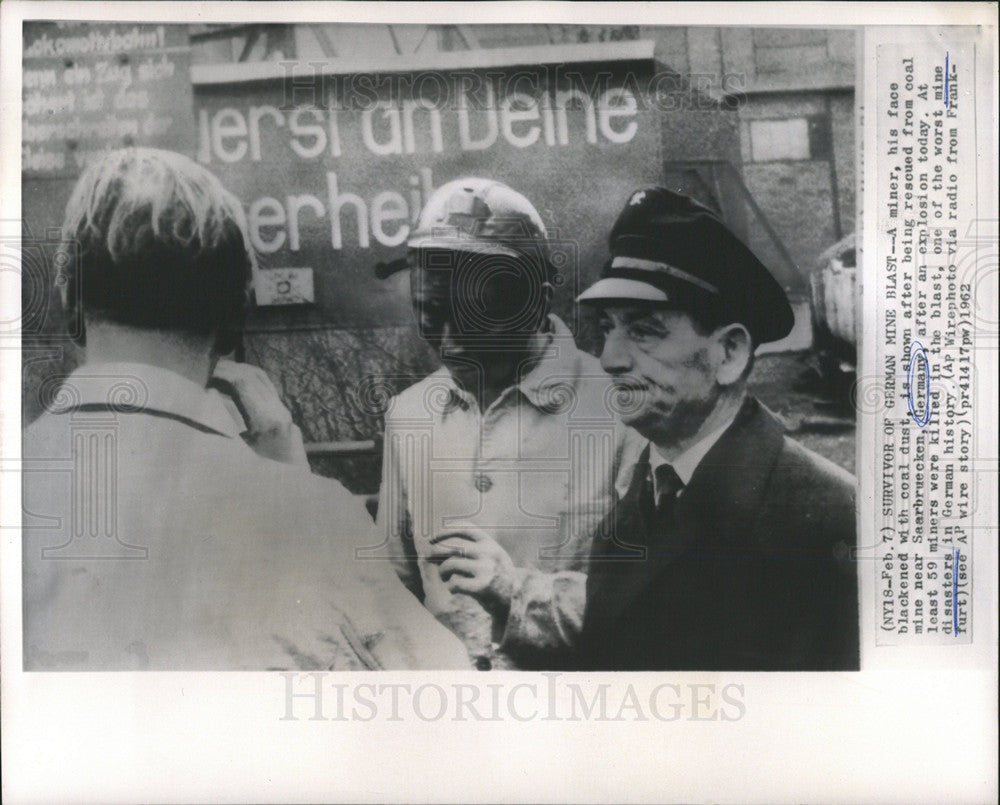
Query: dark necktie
<point x="668" y="484"/>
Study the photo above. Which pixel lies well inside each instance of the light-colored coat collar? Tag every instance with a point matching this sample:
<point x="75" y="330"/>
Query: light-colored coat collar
<point x="138" y="387"/>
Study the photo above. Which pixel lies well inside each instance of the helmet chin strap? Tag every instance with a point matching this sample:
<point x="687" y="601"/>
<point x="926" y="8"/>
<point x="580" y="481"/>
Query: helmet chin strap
<point x="386" y="270"/>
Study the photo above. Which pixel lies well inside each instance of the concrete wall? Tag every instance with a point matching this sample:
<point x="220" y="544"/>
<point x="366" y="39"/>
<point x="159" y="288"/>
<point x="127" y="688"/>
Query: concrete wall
<point x="803" y="182"/>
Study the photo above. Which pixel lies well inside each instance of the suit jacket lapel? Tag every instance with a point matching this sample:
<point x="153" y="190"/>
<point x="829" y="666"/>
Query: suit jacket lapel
<point x="620" y="551"/>
<point x="718" y="506"/>
<point x="622" y="536"/>
<point x="721" y="502"/>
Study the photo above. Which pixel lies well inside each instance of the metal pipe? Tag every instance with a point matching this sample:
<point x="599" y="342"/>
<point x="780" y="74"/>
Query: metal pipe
<point x="364" y="447"/>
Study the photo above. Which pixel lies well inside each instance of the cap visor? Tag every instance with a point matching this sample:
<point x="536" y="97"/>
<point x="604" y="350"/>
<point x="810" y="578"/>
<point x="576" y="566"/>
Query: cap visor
<point x="611" y="288"/>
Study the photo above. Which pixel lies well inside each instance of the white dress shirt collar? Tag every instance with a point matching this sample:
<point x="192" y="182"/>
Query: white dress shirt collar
<point x="687" y="462"/>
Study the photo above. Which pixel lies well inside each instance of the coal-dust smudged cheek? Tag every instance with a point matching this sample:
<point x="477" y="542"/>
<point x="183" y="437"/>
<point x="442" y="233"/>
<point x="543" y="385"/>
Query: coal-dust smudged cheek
<point x="698" y="361"/>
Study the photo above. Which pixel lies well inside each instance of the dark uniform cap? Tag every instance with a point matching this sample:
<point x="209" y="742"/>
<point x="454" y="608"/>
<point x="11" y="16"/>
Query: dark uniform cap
<point x="665" y="245"/>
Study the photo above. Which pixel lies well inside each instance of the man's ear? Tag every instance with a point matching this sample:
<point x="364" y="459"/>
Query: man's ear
<point x="72" y="311"/>
<point x="737" y="352"/>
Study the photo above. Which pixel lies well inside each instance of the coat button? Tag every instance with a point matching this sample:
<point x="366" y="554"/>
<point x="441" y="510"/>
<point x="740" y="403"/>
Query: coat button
<point x="483" y="482"/>
<point x="484" y="664"/>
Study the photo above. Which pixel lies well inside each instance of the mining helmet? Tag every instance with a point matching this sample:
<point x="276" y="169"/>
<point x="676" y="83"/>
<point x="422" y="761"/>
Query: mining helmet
<point x="479" y="217"/>
<point x="482" y="216"/>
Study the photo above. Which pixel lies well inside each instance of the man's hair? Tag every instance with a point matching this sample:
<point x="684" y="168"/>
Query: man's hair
<point x="161" y="244"/>
<point x="707" y="316"/>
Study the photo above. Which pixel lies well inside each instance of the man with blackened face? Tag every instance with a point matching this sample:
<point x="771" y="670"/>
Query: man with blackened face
<point x="498" y="466"/>
<point x="482" y="313"/>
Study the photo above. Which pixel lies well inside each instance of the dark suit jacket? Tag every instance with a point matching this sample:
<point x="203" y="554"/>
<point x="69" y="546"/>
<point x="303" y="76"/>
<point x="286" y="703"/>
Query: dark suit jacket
<point x="757" y="574"/>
